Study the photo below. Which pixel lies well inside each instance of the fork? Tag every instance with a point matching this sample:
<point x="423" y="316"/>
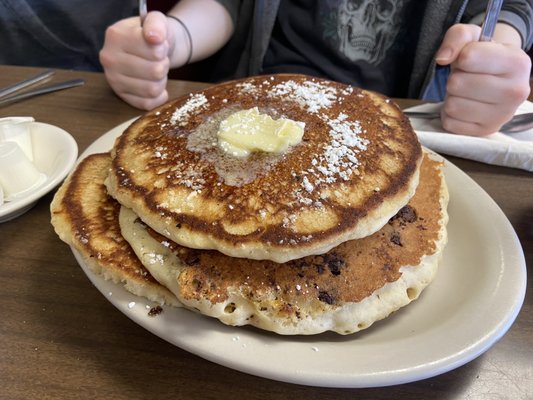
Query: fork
<point x="7" y="95"/>
<point x="519" y="123"/>
<point x="491" y="18"/>
<point x="143" y="10"/>
<point x="43" y="90"/>
<point x="487" y="30"/>
<point x="40" y="77"/>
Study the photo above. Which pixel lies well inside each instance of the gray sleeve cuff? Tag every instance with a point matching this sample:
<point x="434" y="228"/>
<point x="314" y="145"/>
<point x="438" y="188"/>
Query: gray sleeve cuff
<point x="515" y="21"/>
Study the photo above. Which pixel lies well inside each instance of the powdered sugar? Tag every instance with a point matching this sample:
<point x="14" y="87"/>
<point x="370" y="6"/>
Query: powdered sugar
<point x="154" y="258"/>
<point x="339" y="158"/>
<point x="160" y="152"/>
<point x="311" y="95"/>
<point x="336" y="160"/>
<point x="195" y="102"/>
<point x="247" y="87"/>
<point x="308" y="186"/>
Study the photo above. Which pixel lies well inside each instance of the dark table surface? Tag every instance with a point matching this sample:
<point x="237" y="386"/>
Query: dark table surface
<point x="61" y="339"/>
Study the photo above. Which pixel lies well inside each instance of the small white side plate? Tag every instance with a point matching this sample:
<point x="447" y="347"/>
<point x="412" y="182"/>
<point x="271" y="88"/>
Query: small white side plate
<point x="55" y="152"/>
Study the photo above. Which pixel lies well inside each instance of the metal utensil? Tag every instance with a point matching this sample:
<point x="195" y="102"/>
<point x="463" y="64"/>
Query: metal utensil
<point x="422" y="114"/>
<point x="143" y="10"/>
<point x="40" y="77"/>
<point x="519" y="123"/>
<point x="491" y="18"/>
<point x="487" y="30"/>
<point x="42" y="90"/>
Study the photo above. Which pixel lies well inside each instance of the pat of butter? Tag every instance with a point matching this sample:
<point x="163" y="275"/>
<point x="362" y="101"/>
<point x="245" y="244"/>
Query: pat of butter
<point x="247" y="131"/>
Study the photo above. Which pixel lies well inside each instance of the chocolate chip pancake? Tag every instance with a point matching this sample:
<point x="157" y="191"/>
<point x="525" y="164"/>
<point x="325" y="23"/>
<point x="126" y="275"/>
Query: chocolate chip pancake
<point x="356" y="167"/>
<point x="85" y="217"/>
<point x="344" y="290"/>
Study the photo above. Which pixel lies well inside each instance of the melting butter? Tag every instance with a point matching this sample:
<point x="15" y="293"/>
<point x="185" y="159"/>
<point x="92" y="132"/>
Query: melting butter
<point x="248" y="131"/>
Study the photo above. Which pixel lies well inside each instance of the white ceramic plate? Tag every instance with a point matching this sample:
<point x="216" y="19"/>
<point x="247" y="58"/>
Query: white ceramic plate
<point x="54" y="152"/>
<point x="476" y="296"/>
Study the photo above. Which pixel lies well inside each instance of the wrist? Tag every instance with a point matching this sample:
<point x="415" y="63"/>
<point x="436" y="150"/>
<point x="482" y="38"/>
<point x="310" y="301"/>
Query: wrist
<point x="182" y="49"/>
<point x="507" y="34"/>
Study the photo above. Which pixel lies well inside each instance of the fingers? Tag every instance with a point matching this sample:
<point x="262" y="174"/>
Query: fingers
<point x="144" y="103"/>
<point x="481" y="111"/>
<point x="488" y="81"/>
<point x="455" y="39"/>
<point x="135" y="60"/>
<point x="134" y="66"/>
<point x="492" y="59"/>
<point x="462" y="49"/>
<point x="143" y="89"/>
<point x="128" y="37"/>
<point x="470" y="117"/>
<point x="479" y="103"/>
<point x="155" y="28"/>
<point x="486" y="88"/>
<point x="132" y="84"/>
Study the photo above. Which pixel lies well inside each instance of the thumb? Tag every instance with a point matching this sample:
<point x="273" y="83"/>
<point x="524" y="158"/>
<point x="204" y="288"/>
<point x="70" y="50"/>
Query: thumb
<point x="155" y="28"/>
<point x="455" y="39"/>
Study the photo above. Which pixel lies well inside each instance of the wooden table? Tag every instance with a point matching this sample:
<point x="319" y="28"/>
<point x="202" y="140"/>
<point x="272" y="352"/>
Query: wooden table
<point x="61" y="339"/>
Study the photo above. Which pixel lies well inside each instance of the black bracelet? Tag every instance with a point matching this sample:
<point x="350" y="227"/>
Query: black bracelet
<point x="189" y="37"/>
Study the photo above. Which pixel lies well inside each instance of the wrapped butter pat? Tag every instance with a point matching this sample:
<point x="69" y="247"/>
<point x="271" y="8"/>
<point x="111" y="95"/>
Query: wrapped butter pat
<point x="17" y="129"/>
<point x="18" y="175"/>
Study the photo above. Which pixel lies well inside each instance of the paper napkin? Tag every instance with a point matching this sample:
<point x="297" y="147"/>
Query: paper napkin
<point x="509" y="150"/>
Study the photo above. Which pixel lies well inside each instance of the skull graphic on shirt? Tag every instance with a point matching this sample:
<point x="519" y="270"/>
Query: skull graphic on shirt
<point x="367" y="28"/>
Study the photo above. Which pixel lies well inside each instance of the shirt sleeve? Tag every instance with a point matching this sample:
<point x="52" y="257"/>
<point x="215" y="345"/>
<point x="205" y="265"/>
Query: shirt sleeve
<point x="517" y="13"/>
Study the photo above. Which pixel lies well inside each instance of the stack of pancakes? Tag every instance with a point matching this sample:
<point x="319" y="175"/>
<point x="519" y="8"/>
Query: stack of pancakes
<point x="335" y="233"/>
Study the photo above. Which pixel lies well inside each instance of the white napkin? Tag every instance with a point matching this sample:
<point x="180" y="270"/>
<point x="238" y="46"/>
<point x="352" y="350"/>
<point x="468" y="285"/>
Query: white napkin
<point x="509" y="150"/>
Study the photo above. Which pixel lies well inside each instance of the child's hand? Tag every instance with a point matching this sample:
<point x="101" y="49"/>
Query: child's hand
<point x="136" y="59"/>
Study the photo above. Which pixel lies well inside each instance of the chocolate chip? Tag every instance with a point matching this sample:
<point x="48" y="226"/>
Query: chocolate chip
<point x="192" y="260"/>
<point x="191" y="257"/>
<point x="334" y="262"/>
<point x="325" y="297"/>
<point x="396" y="239"/>
<point x="407" y="214"/>
<point x="155" y="311"/>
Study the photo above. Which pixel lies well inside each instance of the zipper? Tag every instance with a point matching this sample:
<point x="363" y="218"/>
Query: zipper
<point x="461" y="12"/>
<point x="433" y="65"/>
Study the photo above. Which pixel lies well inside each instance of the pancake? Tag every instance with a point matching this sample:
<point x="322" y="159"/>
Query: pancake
<point x="86" y="218"/>
<point x="356" y="167"/>
<point x="345" y="290"/>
